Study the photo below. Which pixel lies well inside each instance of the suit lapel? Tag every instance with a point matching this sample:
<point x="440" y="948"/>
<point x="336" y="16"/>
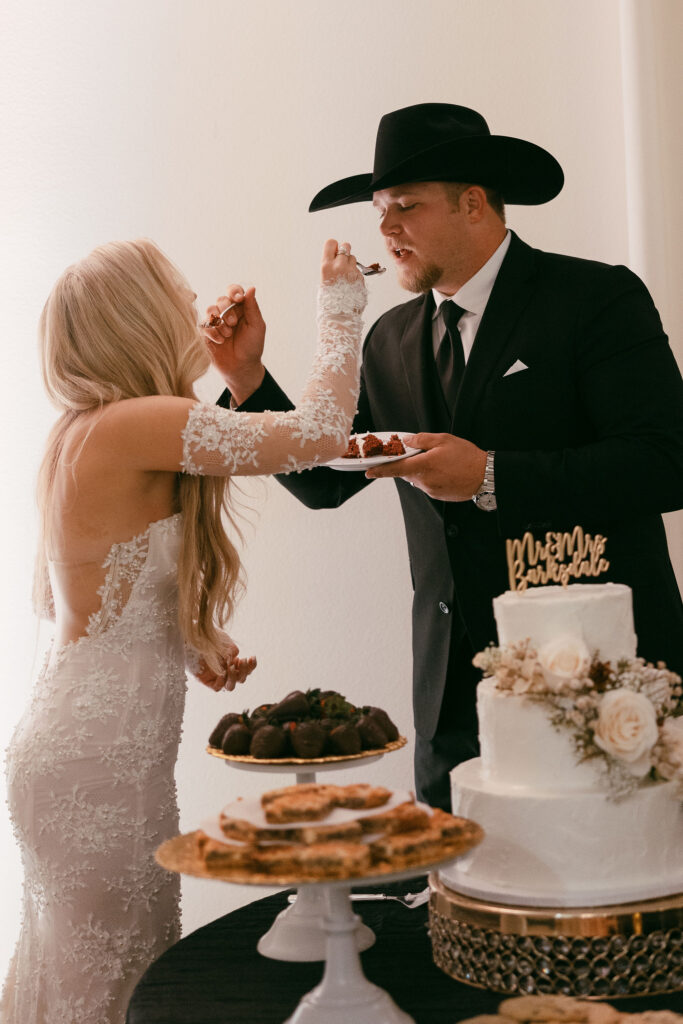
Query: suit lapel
<point x="510" y="293"/>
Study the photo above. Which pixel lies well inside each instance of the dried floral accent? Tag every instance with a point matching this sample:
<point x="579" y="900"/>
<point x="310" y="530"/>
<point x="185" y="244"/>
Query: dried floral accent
<point x="600" y="673"/>
<point x="668" y="752"/>
<point x="516" y="668"/>
<point x="621" y="718"/>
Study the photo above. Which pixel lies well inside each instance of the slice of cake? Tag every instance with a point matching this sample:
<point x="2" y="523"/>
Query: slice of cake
<point x="306" y="787"/>
<point x="361" y="796"/>
<point x="222" y="855"/>
<point x="312" y="802"/>
<point x="394" y="446"/>
<point x="294" y="806"/>
<point x="372" y="446"/>
<point x="319" y="860"/>
<point x="353" y="451"/>
<point x="401" y="849"/>
<point x="429" y="839"/>
<point x="403" y="818"/>
<point x="245" y="831"/>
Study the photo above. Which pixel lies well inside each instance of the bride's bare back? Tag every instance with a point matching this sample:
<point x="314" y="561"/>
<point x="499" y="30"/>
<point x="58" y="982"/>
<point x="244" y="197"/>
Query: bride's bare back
<point x="118" y="468"/>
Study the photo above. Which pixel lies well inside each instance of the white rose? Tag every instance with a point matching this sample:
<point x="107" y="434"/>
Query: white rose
<point x="626" y="728"/>
<point x="670" y="749"/>
<point x="562" y="660"/>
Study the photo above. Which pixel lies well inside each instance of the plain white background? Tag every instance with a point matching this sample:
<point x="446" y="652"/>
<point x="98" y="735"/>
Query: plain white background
<point x="208" y="126"/>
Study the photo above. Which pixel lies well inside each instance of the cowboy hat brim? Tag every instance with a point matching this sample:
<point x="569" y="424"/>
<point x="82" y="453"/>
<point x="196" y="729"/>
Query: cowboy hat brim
<point x="522" y="172"/>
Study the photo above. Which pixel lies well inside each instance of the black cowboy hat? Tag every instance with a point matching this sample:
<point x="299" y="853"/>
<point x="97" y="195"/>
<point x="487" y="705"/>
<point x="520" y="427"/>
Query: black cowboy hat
<point x="444" y="142"/>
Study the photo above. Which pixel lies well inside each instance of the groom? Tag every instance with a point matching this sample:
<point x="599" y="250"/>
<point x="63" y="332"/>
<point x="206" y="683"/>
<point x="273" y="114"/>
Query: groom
<point x="541" y="388"/>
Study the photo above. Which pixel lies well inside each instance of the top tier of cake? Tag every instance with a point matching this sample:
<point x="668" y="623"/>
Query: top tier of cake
<point x="600" y="614"/>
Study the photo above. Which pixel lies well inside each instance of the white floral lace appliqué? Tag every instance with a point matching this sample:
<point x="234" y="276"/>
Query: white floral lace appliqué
<point x="225" y="442"/>
<point x="92" y="795"/>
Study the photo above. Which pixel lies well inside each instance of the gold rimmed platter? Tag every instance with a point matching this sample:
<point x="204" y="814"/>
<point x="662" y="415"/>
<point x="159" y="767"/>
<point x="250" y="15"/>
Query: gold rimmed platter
<point x="180" y="854"/>
<point x="307" y="762"/>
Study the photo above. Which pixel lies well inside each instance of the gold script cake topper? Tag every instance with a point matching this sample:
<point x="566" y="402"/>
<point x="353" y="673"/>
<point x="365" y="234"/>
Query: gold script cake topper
<point x="556" y="559"/>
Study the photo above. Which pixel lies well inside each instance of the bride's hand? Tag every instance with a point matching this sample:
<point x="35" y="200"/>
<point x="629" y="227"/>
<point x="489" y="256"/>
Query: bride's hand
<point x="338" y="264"/>
<point x="234" y="672"/>
<point x="233" y="669"/>
<point x="236" y="343"/>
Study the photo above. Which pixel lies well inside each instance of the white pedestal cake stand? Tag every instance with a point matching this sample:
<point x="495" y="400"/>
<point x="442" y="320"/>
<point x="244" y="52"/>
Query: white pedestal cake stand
<point x="297" y="933"/>
<point x="344" y="995"/>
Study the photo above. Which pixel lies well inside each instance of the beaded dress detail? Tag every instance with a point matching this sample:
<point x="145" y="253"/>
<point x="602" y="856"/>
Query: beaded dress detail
<point x="91" y="792"/>
<point x="91" y="763"/>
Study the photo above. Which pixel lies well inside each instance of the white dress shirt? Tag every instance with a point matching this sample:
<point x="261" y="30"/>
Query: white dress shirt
<point x="473" y="297"/>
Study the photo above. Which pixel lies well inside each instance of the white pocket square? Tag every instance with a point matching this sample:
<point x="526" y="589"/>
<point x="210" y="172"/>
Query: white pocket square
<point x="516" y="367"/>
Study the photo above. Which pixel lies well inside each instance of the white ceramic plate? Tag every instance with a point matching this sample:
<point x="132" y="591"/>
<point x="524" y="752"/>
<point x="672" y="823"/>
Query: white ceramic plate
<point x="351" y="465"/>
<point x="250" y="809"/>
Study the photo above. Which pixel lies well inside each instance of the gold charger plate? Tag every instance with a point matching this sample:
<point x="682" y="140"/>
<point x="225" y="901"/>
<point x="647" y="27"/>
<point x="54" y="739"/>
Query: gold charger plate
<point x="331" y="759"/>
<point x="180" y="854"/>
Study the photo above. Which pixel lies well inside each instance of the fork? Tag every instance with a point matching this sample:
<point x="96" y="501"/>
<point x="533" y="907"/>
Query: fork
<point x="367" y="271"/>
<point x="214" y="321"/>
<point x="371" y="270"/>
<point x="411" y="900"/>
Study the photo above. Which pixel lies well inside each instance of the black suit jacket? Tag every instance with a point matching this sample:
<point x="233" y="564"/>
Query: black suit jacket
<point x="591" y="433"/>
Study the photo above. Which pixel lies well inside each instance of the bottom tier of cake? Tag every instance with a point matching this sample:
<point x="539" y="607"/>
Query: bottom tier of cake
<point x="567" y="849"/>
<point x="597" y="952"/>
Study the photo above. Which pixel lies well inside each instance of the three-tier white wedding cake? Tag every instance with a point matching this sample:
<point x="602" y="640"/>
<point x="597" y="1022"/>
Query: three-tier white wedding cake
<point x="578" y="785"/>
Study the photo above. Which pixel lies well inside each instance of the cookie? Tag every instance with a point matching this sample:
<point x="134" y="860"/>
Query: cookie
<point x="488" y="1018"/>
<point x="558" y="1009"/>
<point x="651" y="1017"/>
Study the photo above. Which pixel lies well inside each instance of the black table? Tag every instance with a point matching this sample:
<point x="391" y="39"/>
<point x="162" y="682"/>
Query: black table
<point x="216" y="976"/>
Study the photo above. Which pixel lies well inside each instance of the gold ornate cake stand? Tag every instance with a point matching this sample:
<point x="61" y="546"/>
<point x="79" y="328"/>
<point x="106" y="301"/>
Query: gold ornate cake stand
<point x="630" y="949"/>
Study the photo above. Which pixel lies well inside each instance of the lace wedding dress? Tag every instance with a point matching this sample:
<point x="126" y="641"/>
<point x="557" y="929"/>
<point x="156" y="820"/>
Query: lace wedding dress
<point x="90" y="765"/>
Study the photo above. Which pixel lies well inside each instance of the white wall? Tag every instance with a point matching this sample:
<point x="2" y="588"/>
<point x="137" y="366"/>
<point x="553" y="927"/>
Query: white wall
<point x="653" y="100"/>
<point x="208" y="126"/>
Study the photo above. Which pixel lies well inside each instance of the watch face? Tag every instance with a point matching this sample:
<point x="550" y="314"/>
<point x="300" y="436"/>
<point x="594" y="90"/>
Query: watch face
<point x="487" y="501"/>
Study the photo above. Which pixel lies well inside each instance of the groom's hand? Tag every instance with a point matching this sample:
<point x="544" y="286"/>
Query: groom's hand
<point x="236" y="343"/>
<point x="449" y="469"/>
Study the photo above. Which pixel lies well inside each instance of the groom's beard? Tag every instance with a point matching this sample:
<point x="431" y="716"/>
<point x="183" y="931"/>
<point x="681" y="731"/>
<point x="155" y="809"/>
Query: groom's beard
<point x="421" y="279"/>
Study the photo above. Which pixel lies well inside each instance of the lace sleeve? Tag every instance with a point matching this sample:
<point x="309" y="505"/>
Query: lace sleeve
<point x="218" y="442"/>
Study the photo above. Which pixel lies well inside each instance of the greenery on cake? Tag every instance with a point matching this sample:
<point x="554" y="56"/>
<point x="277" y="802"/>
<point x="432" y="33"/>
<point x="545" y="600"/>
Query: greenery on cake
<point x="625" y="718"/>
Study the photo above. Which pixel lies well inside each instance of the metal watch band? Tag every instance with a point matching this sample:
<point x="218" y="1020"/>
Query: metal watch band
<point x="485" y="497"/>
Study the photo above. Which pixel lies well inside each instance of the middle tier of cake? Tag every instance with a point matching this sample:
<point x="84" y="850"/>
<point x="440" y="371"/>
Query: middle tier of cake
<point x="522" y="749"/>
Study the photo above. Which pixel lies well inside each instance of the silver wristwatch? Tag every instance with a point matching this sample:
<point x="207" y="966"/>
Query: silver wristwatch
<point x="485" y="498"/>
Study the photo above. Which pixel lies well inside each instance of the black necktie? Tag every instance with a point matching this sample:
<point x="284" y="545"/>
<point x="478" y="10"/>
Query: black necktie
<point x="450" y="357"/>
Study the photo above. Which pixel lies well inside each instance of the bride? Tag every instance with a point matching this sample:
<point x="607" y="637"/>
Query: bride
<point x="133" y="495"/>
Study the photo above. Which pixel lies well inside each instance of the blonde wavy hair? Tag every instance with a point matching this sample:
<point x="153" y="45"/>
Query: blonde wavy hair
<point x="121" y="324"/>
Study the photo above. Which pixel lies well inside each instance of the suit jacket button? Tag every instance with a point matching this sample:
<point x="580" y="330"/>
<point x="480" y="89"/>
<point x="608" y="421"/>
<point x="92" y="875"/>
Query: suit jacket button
<point x="452" y="530"/>
<point x="443" y="607"/>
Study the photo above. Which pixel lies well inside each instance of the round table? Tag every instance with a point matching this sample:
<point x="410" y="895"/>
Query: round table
<point x="216" y="976"/>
